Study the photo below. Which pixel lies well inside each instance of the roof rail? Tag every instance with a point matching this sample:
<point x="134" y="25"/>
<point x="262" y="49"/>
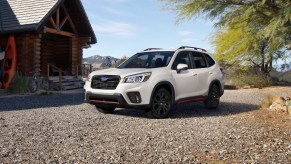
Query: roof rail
<point x="149" y="49"/>
<point x="195" y="48"/>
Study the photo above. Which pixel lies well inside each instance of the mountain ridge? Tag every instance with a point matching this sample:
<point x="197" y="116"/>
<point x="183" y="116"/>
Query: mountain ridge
<point x="101" y="61"/>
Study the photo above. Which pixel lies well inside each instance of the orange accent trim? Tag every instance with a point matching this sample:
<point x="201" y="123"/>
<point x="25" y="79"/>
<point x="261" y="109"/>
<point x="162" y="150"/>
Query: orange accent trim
<point x="191" y="100"/>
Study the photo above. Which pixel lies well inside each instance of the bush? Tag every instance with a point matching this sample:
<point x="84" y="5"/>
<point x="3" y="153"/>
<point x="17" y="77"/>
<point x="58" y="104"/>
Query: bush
<point x="18" y="84"/>
<point x="251" y="80"/>
<point x="274" y="80"/>
<point x="241" y="78"/>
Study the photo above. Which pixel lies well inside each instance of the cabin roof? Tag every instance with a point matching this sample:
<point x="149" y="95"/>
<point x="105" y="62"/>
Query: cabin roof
<point x="31" y="15"/>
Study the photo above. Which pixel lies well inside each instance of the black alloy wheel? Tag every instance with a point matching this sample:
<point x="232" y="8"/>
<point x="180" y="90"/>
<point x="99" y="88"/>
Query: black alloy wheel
<point x="161" y="104"/>
<point x="212" y="101"/>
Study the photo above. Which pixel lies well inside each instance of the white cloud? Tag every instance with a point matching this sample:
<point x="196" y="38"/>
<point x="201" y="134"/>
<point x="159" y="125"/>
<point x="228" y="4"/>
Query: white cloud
<point x="115" y="28"/>
<point x="186" y="33"/>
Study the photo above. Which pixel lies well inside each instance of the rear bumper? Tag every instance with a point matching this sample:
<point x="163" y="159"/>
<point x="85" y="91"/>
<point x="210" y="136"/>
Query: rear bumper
<point x="115" y="100"/>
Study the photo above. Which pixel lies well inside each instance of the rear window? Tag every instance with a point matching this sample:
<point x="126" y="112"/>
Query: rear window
<point x="199" y="60"/>
<point x="209" y="60"/>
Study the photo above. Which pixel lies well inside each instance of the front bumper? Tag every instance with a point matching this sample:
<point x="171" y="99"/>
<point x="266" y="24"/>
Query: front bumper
<point x="124" y="91"/>
<point x="115" y="100"/>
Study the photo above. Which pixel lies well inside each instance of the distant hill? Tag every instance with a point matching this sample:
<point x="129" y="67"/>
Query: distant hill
<point x="101" y="61"/>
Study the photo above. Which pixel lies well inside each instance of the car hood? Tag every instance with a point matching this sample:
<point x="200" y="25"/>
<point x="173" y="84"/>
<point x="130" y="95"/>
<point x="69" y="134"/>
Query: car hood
<point x="121" y="72"/>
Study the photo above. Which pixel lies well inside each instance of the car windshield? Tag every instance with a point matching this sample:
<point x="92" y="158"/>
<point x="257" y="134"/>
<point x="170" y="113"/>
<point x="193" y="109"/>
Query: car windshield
<point x="148" y="60"/>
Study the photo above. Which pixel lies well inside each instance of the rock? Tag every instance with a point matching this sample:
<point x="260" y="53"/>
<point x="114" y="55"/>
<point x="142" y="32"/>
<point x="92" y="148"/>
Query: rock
<point x="246" y="87"/>
<point x="278" y="107"/>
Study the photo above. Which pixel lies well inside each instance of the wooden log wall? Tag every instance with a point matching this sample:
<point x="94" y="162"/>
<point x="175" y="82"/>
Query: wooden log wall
<point x="47" y="53"/>
<point x="26" y="51"/>
<point x="75" y="54"/>
<point x="32" y="58"/>
<point x="20" y="46"/>
<point x="37" y="54"/>
<point x="35" y="51"/>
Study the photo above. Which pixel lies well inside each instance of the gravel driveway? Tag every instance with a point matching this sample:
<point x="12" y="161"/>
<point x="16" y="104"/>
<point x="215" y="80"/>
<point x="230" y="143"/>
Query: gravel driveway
<point x="60" y="128"/>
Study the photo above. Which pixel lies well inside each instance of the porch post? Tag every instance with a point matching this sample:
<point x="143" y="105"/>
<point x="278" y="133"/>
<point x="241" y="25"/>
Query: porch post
<point x="74" y="54"/>
<point x="37" y="51"/>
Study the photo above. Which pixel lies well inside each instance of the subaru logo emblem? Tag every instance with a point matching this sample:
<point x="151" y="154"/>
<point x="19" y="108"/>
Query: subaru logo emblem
<point x="103" y="79"/>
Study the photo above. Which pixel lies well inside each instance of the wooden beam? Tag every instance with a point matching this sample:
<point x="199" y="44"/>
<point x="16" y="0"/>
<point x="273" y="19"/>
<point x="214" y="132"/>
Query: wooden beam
<point x="63" y="22"/>
<point x="53" y="23"/>
<point x="54" y="31"/>
<point x="69" y="19"/>
<point x="58" y="18"/>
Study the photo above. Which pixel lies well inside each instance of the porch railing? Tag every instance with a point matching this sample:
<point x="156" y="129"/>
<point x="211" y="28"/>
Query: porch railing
<point x="84" y="69"/>
<point x="60" y="73"/>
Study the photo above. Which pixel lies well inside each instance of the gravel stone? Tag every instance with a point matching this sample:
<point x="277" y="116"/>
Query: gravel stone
<point x="60" y="128"/>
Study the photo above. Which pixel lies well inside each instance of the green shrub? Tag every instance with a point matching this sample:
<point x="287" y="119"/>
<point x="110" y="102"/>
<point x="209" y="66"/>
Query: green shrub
<point x="18" y="84"/>
<point x="274" y="80"/>
<point x="241" y="78"/>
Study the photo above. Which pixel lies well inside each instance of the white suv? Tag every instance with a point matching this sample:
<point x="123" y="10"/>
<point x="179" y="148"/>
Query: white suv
<point x="156" y="80"/>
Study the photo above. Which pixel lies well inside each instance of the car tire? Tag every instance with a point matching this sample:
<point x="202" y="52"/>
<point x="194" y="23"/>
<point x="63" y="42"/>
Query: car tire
<point x="161" y="104"/>
<point x="105" y="109"/>
<point x="212" y="101"/>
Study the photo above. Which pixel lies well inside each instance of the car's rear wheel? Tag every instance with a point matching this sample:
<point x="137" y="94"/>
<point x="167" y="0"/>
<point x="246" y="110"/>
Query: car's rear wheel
<point x="161" y="104"/>
<point x="105" y="109"/>
<point x="212" y="101"/>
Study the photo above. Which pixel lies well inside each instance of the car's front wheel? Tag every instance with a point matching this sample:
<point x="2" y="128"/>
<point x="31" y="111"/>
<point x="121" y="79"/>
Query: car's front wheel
<point x="105" y="109"/>
<point x="212" y="101"/>
<point x="161" y="104"/>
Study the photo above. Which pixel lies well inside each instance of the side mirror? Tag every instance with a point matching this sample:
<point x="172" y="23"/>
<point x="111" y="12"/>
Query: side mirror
<point x="181" y="67"/>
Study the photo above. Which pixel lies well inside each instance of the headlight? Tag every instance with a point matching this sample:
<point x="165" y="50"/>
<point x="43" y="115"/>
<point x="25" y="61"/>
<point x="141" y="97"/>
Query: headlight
<point x="138" y="78"/>
<point x="89" y="78"/>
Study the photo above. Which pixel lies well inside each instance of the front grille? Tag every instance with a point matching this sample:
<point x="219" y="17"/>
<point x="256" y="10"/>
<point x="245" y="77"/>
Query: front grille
<point x="109" y="82"/>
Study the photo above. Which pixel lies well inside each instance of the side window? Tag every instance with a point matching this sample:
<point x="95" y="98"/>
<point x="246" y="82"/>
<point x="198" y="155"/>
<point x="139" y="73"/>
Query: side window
<point x="182" y="58"/>
<point x="157" y="61"/>
<point x="199" y="60"/>
<point x="209" y="59"/>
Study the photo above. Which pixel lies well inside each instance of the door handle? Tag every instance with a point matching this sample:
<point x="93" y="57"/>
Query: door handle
<point x="194" y="74"/>
<point x="210" y="73"/>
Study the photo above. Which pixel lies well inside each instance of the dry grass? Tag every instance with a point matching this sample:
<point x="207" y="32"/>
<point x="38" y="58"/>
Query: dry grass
<point x="268" y="102"/>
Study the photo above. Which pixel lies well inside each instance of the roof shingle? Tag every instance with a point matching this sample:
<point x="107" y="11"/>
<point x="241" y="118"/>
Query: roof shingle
<point x="30" y="15"/>
<point x="18" y="15"/>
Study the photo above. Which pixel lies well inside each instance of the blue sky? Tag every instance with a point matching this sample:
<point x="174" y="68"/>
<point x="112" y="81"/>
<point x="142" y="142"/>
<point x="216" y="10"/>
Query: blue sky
<point x="124" y="27"/>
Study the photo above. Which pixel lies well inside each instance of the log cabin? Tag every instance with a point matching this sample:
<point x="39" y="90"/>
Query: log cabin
<point x="48" y="34"/>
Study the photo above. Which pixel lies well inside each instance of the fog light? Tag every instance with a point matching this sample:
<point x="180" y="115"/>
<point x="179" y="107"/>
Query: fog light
<point x="134" y="97"/>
